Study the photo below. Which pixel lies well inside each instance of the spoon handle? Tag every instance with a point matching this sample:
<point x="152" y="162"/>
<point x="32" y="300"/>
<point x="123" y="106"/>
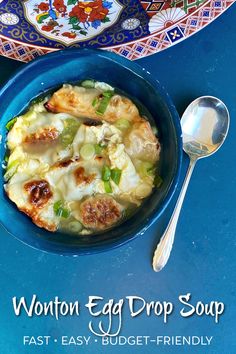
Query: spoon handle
<point x="162" y="252"/>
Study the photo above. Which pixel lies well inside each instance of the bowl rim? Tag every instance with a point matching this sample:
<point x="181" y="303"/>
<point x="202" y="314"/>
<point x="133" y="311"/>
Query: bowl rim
<point x="146" y="75"/>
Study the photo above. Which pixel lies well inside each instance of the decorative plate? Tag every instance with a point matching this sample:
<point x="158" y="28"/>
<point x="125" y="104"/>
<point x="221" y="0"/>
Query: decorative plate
<point x="132" y="28"/>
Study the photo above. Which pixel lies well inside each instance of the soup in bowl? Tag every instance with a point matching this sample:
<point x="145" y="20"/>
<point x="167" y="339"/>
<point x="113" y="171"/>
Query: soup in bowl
<point x="81" y="160"/>
<point x="91" y="159"/>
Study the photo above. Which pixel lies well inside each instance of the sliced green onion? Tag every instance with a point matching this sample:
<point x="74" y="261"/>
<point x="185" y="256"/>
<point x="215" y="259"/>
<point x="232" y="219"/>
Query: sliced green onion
<point x="71" y="123"/>
<point x="70" y="129"/>
<point x="65" y="213"/>
<point x="95" y="101"/>
<point x="107" y="186"/>
<point x="108" y="94"/>
<point x="104" y="102"/>
<point x="60" y="211"/>
<point x="10" y="124"/>
<point x="116" y="175"/>
<point x="66" y="139"/>
<point x="122" y="124"/>
<point x="88" y="83"/>
<point x="75" y="226"/>
<point x="106" y="173"/>
<point x="11" y="169"/>
<point x="12" y="164"/>
<point x="158" y="181"/>
<point x="99" y="148"/>
<point x="87" y="151"/>
<point x="56" y="206"/>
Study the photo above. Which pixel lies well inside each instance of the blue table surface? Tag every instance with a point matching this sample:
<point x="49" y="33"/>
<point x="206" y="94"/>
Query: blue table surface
<point x="203" y="260"/>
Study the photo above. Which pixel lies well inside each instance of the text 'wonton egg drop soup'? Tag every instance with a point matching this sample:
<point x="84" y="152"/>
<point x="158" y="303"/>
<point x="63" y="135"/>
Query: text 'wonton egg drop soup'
<point x="82" y="160"/>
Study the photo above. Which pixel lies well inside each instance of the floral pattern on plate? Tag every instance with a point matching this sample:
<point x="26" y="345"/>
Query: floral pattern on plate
<point x="70" y="20"/>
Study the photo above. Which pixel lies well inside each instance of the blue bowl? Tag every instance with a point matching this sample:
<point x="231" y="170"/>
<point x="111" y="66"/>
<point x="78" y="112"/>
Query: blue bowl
<point x="50" y="71"/>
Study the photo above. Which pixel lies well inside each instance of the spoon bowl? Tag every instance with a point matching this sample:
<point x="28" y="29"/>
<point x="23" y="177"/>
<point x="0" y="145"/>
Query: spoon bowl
<point x="205" y="124"/>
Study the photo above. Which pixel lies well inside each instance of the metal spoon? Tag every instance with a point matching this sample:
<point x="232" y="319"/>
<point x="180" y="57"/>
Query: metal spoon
<point x="205" y="125"/>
